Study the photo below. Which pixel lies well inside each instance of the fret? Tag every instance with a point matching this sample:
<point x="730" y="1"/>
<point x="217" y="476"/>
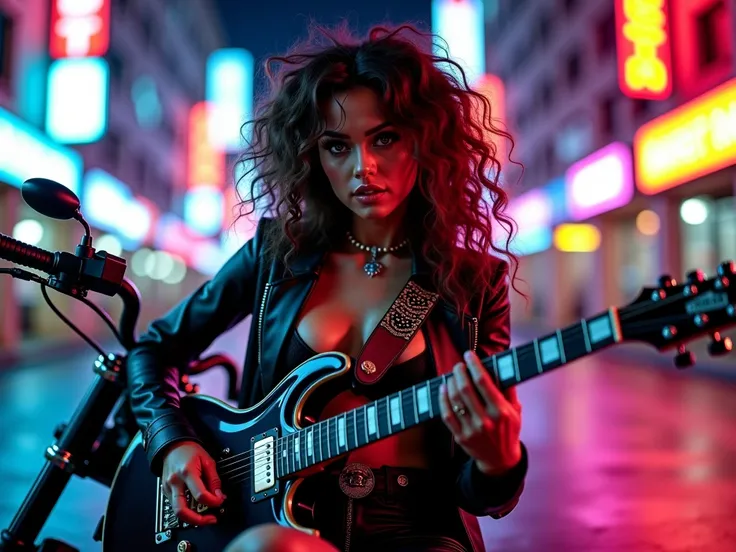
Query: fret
<point x="342" y="441"/>
<point x="550" y="352"/>
<point x="384" y="426"/>
<point x="435" y="385"/>
<point x="297" y="452"/>
<point x="423" y="407"/>
<point x="506" y="367"/>
<point x="494" y="363"/>
<point x="540" y="368"/>
<point x="310" y="444"/>
<point x="281" y="452"/>
<point x="429" y="392"/>
<point x="561" y="346"/>
<point x="526" y="361"/>
<point x="326" y="437"/>
<point x="362" y="428"/>
<point x="584" y="327"/>
<point x="351" y="428"/>
<point x="516" y="365"/>
<point x="414" y="411"/>
<point x="322" y="456"/>
<point x="370" y="421"/>
<point x="332" y="430"/>
<point x="573" y="338"/>
<point x="396" y="418"/>
<point x="290" y="453"/>
<point x="601" y="331"/>
<point x="408" y="407"/>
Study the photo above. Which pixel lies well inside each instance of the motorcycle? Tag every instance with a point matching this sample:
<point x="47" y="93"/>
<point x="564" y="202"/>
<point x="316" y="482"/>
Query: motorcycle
<point x="84" y="446"/>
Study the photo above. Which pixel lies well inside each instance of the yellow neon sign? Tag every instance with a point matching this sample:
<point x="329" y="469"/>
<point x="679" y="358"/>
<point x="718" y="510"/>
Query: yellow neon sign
<point x="577" y="238"/>
<point x="643" y="44"/>
<point x="693" y="140"/>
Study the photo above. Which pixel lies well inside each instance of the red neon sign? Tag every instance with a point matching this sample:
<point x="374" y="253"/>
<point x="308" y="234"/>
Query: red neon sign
<point x="492" y="88"/>
<point x="79" y="28"/>
<point x="644" y="59"/>
<point x="206" y="164"/>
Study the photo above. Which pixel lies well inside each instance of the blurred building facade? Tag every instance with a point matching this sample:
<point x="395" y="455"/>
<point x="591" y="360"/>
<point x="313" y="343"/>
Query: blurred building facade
<point x="156" y="58"/>
<point x="560" y="63"/>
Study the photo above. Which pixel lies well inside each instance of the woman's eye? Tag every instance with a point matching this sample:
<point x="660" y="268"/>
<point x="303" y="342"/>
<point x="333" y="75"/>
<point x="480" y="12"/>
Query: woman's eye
<point x="386" y="139"/>
<point x="335" y="147"/>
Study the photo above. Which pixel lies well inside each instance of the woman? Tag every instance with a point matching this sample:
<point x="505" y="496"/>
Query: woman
<point x="372" y="160"/>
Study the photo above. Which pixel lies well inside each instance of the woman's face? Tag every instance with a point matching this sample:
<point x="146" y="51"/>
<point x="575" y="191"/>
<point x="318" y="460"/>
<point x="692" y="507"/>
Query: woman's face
<point x="367" y="160"/>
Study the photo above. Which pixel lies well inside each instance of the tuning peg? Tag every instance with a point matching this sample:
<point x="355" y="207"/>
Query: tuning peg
<point x="727" y="268"/>
<point x="684" y="358"/>
<point x="667" y="281"/>
<point x="719" y="345"/>
<point x="696" y="277"/>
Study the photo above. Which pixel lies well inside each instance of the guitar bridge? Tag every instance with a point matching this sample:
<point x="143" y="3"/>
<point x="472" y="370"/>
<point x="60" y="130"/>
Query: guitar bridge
<point x="166" y="520"/>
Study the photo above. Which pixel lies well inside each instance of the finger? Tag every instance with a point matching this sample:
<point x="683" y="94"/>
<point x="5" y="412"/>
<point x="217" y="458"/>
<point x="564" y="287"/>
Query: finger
<point x="476" y="410"/>
<point x="212" y="479"/>
<point x="494" y="399"/>
<point x="456" y="401"/>
<point x="199" y="491"/>
<point x="182" y="510"/>
<point x="448" y="416"/>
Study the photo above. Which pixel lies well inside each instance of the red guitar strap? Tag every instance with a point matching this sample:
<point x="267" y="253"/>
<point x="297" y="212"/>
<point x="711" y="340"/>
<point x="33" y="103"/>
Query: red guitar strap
<point x="392" y="335"/>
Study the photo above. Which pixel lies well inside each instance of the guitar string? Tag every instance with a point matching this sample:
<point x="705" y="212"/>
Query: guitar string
<point x="282" y="444"/>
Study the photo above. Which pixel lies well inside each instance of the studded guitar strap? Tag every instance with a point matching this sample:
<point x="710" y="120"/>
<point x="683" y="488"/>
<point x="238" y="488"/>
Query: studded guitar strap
<point x="396" y="329"/>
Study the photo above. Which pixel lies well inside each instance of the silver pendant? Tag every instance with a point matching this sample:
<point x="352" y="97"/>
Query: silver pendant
<point x="373" y="267"/>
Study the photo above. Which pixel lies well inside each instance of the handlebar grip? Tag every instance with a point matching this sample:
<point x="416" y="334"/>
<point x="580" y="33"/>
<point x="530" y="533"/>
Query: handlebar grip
<point x="28" y="255"/>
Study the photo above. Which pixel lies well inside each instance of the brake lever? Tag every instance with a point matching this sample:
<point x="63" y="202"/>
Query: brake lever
<point x="24" y="275"/>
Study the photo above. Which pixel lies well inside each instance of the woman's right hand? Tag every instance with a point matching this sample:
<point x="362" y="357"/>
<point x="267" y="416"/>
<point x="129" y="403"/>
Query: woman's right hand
<point x="188" y="466"/>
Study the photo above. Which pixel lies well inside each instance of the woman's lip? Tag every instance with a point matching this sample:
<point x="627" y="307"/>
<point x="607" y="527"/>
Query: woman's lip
<point x="370" y="198"/>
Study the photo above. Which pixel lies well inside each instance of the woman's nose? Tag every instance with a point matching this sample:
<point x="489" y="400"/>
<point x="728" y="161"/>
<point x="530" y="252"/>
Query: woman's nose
<point x="365" y="164"/>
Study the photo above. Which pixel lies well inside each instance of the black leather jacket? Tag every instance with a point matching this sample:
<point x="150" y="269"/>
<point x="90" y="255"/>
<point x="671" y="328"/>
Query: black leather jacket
<point x="274" y="297"/>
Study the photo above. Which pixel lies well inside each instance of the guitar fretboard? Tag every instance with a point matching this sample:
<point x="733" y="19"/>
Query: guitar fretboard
<point x="410" y="407"/>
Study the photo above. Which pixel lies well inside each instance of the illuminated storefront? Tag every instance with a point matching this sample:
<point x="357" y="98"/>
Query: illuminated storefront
<point x="687" y="157"/>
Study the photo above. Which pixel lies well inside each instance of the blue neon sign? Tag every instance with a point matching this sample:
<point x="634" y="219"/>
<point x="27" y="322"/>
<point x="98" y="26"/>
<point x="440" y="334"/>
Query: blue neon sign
<point x="26" y="152"/>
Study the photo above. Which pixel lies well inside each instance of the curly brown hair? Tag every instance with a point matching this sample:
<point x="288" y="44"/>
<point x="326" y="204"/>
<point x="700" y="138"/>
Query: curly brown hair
<point x="428" y="96"/>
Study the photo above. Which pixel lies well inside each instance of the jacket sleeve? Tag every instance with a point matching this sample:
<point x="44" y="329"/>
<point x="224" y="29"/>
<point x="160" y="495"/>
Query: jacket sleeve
<point x="174" y="340"/>
<point x="477" y="493"/>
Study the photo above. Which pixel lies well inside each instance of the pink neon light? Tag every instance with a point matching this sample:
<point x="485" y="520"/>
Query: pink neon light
<point x="531" y="210"/>
<point x="601" y="182"/>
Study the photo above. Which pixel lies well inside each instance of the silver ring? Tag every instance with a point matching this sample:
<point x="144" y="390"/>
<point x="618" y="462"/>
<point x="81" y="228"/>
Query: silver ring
<point x="459" y="410"/>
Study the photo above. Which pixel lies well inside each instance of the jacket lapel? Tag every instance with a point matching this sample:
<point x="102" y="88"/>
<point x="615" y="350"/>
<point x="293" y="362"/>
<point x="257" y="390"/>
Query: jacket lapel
<point x="283" y="299"/>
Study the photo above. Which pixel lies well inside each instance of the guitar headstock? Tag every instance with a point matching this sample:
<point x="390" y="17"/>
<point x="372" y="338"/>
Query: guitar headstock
<point x="673" y="314"/>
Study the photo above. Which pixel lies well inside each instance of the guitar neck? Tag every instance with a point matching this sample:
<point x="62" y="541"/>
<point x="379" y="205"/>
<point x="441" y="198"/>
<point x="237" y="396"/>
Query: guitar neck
<point x="410" y="407"/>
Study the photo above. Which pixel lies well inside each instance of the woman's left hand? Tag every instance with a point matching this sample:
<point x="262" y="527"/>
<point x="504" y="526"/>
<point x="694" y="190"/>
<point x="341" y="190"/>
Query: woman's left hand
<point x="484" y="421"/>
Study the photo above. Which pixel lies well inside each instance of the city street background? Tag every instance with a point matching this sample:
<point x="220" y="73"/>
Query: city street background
<point x="623" y="114"/>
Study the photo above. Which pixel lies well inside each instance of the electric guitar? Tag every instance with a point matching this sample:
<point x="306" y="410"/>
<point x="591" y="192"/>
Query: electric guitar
<point x="266" y="453"/>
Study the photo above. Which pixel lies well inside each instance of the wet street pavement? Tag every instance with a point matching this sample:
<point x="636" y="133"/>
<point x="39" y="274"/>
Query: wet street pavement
<point x="623" y="457"/>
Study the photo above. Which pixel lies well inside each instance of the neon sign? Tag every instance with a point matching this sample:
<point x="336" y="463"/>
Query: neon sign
<point x="493" y="89"/>
<point x="110" y="206"/>
<point x="206" y="164"/>
<point x="644" y="59"/>
<point x="461" y="24"/>
<point x="229" y="92"/>
<point x="600" y="182"/>
<point x="693" y="140"/>
<point x="79" y="28"/>
<point x="25" y="152"/>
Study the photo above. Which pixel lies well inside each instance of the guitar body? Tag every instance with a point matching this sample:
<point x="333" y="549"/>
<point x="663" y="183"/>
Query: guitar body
<point x="138" y="516"/>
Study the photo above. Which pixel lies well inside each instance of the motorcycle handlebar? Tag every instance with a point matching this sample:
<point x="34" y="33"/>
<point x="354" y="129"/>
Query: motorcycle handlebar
<point x="28" y="255"/>
<point x="55" y="263"/>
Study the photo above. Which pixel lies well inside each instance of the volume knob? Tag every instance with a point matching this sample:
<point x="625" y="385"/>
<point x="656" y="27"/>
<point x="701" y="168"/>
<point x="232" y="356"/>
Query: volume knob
<point x="184" y="546"/>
